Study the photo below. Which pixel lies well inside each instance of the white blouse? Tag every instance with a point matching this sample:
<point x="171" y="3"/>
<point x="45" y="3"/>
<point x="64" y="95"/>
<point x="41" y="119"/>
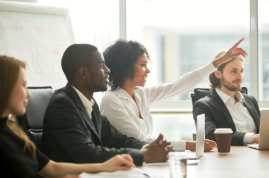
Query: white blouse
<point x="123" y="113"/>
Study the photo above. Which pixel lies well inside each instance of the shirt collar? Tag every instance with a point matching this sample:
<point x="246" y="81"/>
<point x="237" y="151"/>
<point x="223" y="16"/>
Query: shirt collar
<point x="122" y="94"/>
<point x="87" y="103"/>
<point x="226" y="98"/>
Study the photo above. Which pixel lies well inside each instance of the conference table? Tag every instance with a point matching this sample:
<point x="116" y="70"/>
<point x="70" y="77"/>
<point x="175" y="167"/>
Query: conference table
<point x="240" y="162"/>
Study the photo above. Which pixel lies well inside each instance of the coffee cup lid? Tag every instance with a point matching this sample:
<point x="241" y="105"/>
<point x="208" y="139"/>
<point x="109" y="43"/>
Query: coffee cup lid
<point x="223" y="131"/>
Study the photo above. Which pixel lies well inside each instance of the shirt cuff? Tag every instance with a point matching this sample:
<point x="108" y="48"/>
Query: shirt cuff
<point x="211" y="67"/>
<point x="248" y="138"/>
<point x="179" y="145"/>
<point x="144" y="146"/>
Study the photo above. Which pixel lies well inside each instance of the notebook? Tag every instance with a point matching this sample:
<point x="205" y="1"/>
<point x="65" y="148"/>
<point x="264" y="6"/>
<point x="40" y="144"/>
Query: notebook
<point x="264" y="132"/>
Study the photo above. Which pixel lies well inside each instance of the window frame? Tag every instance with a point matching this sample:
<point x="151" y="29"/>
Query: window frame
<point x="186" y="107"/>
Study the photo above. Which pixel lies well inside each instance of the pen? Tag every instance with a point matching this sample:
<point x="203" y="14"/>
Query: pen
<point x="140" y="171"/>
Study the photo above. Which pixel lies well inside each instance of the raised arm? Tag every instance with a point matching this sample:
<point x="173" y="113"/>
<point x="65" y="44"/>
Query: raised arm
<point x="190" y="79"/>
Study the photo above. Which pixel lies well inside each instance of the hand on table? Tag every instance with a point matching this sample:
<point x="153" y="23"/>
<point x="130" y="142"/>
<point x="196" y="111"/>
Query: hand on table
<point x="157" y="151"/>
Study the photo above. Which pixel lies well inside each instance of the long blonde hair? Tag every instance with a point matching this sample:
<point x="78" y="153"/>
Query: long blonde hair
<point x="9" y="74"/>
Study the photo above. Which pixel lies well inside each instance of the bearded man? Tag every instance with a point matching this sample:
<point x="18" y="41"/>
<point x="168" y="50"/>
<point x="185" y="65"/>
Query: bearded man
<point x="227" y="107"/>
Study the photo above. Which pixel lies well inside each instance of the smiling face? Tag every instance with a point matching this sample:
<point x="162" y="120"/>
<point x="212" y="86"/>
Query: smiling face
<point x="232" y="76"/>
<point x="141" y="71"/>
<point x="19" y="96"/>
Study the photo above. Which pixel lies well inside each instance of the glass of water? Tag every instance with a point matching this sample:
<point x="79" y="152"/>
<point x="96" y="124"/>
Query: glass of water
<point x="178" y="164"/>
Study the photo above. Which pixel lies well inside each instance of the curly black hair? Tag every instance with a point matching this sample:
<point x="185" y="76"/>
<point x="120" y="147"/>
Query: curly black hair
<point x="120" y="58"/>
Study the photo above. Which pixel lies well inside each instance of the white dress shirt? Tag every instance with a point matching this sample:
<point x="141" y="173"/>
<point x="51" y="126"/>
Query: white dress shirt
<point x="241" y="117"/>
<point x="123" y="112"/>
<point x="86" y="103"/>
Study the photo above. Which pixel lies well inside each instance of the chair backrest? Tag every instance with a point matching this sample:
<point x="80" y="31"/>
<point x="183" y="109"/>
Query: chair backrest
<point x="35" y="111"/>
<point x="202" y="92"/>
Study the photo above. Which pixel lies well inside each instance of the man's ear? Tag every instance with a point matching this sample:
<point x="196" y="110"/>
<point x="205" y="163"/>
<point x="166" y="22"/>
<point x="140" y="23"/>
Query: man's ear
<point x="217" y="74"/>
<point x="82" y="73"/>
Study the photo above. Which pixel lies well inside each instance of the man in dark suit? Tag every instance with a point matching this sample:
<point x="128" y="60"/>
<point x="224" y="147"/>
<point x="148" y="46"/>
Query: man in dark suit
<point x="75" y="131"/>
<point x="226" y="107"/>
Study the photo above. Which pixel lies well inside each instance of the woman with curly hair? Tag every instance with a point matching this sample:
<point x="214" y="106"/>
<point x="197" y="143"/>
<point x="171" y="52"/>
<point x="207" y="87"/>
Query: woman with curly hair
<point x="127" y="104"/>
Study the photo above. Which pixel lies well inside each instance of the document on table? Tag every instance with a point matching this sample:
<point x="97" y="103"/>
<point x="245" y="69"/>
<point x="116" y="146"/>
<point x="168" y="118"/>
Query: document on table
<point x="153" y="170"/>
<point x="119" y="174"/>
<point x="157" y="164"/>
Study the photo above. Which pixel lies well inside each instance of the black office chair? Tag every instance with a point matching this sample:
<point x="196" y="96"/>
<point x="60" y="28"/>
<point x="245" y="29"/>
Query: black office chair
<point x="35" y="111"/>
<point x="202" y="92"/>
<point x="199" y="93"/>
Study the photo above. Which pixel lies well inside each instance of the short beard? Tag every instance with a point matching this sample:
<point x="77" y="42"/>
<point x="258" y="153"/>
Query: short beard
<point x="231" y="88"/>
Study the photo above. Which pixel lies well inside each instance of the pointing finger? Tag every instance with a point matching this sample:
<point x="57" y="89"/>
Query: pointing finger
<point x="236" y="44"/>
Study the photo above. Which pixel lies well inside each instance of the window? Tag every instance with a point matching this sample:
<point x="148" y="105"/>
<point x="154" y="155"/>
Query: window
<point x="182" y="36"/>
<point x="263" y="33"/>
<point x="173" y="126"/>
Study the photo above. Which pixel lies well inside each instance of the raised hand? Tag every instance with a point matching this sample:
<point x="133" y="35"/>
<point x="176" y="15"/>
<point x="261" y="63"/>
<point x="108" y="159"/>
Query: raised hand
<point x="232" y="52"/>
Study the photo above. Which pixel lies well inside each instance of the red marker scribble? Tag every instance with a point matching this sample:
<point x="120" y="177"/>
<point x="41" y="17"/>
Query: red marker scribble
<point x="43" y="30"/>
<point x="11" y="28"/>
<point x="56" y="52"/>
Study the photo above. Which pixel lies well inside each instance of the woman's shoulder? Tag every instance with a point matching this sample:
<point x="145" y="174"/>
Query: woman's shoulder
<point x="119" y="93"/>
<point x="9" y="140"/>
<point x="110" y="100"/>
<point x="110" y="96"/>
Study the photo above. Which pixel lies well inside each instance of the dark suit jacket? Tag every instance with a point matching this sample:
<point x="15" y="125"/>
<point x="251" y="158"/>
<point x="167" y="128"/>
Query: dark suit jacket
<point x="218" y="116"/>
<point x="69" y="134"/>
